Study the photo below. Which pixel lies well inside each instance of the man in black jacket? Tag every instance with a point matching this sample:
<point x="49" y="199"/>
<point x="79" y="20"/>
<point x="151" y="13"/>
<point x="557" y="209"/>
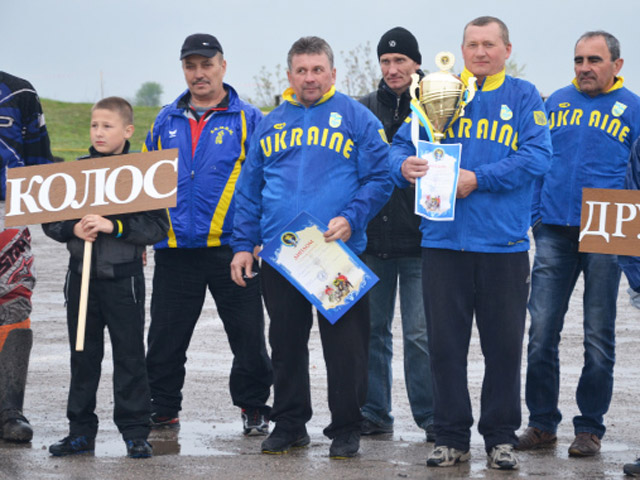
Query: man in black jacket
<point x="393" y="253"/>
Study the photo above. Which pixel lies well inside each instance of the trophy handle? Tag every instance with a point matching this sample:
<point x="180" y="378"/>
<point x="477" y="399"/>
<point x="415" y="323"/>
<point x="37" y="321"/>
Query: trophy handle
<point x="471" y="90"/>
<point x="469" y="93"/>
<point x="415" y="86"/>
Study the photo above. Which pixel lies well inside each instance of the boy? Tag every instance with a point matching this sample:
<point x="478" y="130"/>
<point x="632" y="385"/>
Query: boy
<point x="116" y="300"/>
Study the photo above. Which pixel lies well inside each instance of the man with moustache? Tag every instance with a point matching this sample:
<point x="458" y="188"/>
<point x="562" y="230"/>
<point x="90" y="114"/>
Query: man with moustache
<point x="211" y="127"/>
<point x="593" y="123"/>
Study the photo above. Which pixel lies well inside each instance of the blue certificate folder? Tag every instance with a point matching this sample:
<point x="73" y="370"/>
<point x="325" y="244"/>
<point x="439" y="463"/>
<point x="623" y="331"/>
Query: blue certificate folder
<point x="328" y="274"/>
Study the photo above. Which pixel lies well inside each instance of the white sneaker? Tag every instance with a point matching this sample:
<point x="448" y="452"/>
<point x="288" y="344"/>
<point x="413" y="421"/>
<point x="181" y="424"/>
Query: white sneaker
<point x="443" y="456"/>
<point x="502" y="457"/>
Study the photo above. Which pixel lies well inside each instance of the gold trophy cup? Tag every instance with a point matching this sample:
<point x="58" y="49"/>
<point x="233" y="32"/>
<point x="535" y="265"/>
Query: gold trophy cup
<point x="440" y="96"/>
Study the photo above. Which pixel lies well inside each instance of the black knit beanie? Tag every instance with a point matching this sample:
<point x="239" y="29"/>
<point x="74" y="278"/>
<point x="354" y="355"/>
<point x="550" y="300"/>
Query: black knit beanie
<point x="400" y="40"/>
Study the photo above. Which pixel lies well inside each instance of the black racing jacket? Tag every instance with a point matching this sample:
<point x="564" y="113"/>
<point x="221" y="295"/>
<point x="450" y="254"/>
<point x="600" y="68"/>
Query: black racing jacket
<point x="118" y="254"/>
<point x="395" y="231"/>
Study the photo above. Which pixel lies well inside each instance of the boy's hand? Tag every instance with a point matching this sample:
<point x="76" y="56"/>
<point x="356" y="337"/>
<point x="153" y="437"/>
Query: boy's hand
<point x="88" y="228"/>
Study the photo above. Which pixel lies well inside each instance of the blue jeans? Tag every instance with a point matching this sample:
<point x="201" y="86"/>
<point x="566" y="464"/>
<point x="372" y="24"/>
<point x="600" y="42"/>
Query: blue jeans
<point x="556" y="268"/>
<point x="417" y="364"/>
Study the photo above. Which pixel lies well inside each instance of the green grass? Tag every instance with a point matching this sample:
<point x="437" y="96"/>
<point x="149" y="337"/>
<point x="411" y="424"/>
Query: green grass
<point x="68" y="126"/>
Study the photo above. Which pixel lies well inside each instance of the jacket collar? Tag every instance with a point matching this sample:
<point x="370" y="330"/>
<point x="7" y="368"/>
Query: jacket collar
<point x="491" y="82"/>
<point x="290" y="96"/>
<point x="93" y="153"/>
<point x="389" y="97"/>
<point x="617" y="85"/>
<point x="231" y="101"/>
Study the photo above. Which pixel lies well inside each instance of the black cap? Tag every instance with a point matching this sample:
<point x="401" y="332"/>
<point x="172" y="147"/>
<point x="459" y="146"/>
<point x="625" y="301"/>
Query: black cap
<point x="400" y="40"/>
<point x="200" y="44"/>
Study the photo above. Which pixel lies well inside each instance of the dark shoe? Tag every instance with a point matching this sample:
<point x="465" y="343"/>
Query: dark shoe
<point x="533" y="437"/>
<point x="430" y="432"/>
<point x="280" y="441"/>
<point x="254" y="423"/>
<point x="367" y="427"/>
<point x="138" y="448"/>
<point x="15" y="427"/>
<point x="345" y="445"/>
<point x="632" y="469"/>
<point x="71" y="445"/>
<point x="585" y="445"/>
<point x="162" y="421"/>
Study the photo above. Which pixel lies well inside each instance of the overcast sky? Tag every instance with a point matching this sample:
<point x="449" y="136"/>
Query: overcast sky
<point x="63" y="46"/>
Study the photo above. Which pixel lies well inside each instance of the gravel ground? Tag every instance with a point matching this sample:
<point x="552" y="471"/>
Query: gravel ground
<point x="210" y="444"/>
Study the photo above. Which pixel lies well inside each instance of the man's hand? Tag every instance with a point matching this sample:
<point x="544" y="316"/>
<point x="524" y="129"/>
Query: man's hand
<point x="90" y="225"/>
<point x="414" y="167"/>
<point x="339" y="229"/>
<point x="467" y="183"/>
<point x="242" y="268"/>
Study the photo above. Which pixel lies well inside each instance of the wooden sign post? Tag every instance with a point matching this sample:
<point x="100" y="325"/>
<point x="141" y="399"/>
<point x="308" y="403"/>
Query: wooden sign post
<point x="104" y="186"/>
<point x="610" y="221"/>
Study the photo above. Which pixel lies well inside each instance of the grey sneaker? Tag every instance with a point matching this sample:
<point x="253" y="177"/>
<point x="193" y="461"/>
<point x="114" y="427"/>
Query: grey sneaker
<point x="502" y="457"/>
<point x="254" y="423"/>
<point x="443" y="456"/>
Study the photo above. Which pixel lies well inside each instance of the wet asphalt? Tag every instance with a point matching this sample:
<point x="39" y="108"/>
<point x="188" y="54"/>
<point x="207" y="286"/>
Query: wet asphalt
<point x="209" y="443"/>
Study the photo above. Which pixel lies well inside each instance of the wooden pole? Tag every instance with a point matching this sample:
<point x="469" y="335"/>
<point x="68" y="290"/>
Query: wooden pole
<point x="84" y="296"/>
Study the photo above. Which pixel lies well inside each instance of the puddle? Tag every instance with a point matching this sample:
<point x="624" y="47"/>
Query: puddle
<point x="191" y="439"/>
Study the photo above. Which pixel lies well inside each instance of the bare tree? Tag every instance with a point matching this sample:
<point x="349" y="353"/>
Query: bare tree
<point x="514" y="69"/>
<point x="362" y="73"/>
<point x="269" y="84"/>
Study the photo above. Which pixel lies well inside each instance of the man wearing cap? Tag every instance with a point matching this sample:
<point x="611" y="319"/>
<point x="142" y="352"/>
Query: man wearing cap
<point x="393" y="253"/>
<point x="211" y="127"/>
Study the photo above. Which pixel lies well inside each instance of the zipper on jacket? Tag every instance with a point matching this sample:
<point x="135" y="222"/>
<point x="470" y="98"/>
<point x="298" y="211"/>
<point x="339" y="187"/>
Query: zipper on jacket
<point x="396" y="114"/>
<point x="66" y="288"/>
<point x="133" y="289"/>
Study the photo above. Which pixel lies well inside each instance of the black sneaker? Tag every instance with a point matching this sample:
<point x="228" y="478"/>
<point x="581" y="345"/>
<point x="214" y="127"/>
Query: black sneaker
<point x="345" y="445"/>
<point x="163" y="421"/>
<point x="367" y="427"/>
<point x="138" y="448"/>
<point x="254" y="423"/>
<point x="632" y="469"/>
<point x="15" y="427"/>
<point x="72" y="445"/>
<point x="280" y="441"/>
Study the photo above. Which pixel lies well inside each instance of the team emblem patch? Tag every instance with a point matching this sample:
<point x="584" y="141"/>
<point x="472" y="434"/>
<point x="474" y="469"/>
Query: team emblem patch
<point x="279" y="126"/>
<point x="505" y="113"/>
<point x="618" y="109"/>
<point x="335" y="119"/>
<point x="289" y="239"/>
<point x="564" y="105"/>
<point x="539" y="117"/>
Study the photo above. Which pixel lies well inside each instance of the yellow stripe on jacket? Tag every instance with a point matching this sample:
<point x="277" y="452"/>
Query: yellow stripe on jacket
<point x="215" y="230"/>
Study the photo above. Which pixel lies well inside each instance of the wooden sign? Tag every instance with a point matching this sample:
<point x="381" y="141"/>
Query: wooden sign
<point x="104" y="186"/>
<point x="610" y="221"/>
